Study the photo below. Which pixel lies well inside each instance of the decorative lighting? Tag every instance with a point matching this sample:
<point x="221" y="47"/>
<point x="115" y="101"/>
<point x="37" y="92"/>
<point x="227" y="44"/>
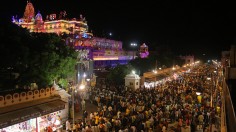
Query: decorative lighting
<point x="108" y="58"/>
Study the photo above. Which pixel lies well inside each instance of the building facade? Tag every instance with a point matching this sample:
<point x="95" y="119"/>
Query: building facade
<point x="32" y="111"/>
<point x="53" y="23"/>
<point x="107" y="52"/>
<point x="189" y="59"/>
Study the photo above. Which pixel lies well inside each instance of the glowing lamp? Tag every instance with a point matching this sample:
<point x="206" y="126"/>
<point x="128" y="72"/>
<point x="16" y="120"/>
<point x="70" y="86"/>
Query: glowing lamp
<point x="133" y="71"/>
<point x="81" y="87"/>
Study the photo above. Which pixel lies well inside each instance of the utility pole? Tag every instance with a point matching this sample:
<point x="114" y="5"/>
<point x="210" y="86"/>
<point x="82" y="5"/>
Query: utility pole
<point x="156" y="65"/>
<point x="133" y="45"/>
<point x="73" y="104"/>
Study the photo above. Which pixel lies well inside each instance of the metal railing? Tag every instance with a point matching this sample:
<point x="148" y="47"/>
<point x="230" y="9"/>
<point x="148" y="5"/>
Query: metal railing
<point x="230" y="120"/>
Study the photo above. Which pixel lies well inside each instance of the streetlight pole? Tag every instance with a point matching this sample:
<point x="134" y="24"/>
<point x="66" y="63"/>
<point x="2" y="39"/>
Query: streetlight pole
<point x="133" y="45"/>
<point x="73" y="91"/>
<point x="155" y="80"/>
<point x="73" y="104"/>
<point x="81" y="88"/>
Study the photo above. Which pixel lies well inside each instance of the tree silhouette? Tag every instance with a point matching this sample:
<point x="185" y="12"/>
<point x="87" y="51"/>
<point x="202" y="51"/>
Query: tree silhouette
<point x="33" y="58"/>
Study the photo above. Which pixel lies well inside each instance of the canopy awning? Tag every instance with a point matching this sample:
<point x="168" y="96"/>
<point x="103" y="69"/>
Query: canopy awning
<point x="19" y="115"/>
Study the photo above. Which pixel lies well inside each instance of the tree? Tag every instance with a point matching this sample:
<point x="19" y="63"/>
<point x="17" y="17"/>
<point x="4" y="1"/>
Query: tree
<point x="117" y="75"/>
<point x="13" y="53"/>
<point x="34" y="57"/>
<point x="50" y="59"/>
<point x="142" y="65"/>
<point x="165" y="55"/>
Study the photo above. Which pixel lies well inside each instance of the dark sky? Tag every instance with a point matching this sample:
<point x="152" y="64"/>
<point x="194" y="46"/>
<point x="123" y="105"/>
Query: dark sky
<point x="189" y="27"/>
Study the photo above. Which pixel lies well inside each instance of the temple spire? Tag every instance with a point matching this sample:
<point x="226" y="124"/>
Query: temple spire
<point x="29" y="12"/>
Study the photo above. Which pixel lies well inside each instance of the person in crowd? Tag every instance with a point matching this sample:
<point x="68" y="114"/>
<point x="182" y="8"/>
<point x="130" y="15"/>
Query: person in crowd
<point x="68" y="126"/>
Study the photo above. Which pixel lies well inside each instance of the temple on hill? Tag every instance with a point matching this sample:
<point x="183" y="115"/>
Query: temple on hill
<point x="53" y="23"/>
<point x="94" y="52"/>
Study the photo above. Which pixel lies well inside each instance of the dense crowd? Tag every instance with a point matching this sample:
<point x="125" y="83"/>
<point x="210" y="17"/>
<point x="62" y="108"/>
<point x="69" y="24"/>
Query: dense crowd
<point x="170" y="106"/>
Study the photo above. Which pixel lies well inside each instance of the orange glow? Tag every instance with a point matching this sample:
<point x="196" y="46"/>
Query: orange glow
<point x="111" y="58"/>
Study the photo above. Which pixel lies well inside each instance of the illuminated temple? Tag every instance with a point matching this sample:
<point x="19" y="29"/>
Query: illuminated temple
<point x="95" y="52"/>
<point x="53" y="23"/>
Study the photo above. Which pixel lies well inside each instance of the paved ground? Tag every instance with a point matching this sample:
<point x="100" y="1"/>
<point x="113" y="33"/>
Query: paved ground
<point x="89" y="107"/>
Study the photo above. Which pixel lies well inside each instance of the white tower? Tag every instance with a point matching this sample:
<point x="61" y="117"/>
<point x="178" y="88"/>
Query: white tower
<point x="132" y="81"/>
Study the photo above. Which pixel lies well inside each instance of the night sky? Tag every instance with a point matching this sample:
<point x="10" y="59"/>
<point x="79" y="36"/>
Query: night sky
<point x="188" y="27"/>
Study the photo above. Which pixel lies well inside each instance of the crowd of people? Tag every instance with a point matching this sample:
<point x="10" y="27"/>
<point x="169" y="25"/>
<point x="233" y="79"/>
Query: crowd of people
<point x="169" y="106"/>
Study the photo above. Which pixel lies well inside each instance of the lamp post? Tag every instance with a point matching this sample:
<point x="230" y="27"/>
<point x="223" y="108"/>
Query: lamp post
<point x="73" y="104"/>
<point x="81" y="87"/>
<point x="81" y="91"/>
<point x="74" y="88"/>
<point x="88" y="82"/>
<point x="133" y="45"/>
<point x="155" y="73"/>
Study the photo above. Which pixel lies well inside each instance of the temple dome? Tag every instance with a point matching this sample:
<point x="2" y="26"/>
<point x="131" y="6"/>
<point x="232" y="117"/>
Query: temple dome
<point x="143" y="45"/>
<point x="132" y="76"/>
<point x="38" y="17"/>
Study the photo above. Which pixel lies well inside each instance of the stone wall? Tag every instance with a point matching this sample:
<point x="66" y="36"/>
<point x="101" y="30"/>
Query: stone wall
<point x="17" y="98"/>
